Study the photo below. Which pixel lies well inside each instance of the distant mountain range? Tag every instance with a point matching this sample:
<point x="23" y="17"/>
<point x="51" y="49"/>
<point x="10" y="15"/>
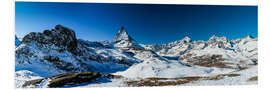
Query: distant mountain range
<point x="58" y="51"/>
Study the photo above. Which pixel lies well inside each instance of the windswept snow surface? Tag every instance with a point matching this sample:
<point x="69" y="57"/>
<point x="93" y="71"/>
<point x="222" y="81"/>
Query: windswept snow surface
<point x="154" y="65"/>
<point x="168" y="69"/>
<point x="243" y="79"/>
<point x="24" y="75"/>
<point x="101" y="82"/>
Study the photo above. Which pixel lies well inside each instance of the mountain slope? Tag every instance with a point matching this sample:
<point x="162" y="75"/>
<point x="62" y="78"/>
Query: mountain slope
<point x="216" y="52"/>
<point x="58" y="51"/>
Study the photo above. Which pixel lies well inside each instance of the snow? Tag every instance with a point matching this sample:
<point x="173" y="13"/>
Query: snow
<point x="43" y="84"/>
<point x="33" y="59"/>
<point x="24" y="75"/>
<point x="126" y="57"/>
<point x="105" y="83"/>
<point x="245" y="75"/>
<point x="168" y="69"/>
<point x="36" y="63"/>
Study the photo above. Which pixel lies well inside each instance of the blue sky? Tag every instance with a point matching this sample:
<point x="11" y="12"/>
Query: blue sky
<point x="146" y="23"/>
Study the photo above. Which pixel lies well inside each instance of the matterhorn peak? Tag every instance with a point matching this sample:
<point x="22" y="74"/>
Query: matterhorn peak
<point x="122" y="35"/>
<point x="123" y="40"/>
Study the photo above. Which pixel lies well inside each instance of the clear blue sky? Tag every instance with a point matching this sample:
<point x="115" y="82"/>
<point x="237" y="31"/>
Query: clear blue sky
<point x="146" y="23"/>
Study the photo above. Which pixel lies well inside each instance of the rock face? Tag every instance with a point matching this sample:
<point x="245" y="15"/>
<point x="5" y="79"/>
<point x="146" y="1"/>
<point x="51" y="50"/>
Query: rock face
<point x="122" y="35"/>
<point x="60" y="36"/>
<point x="219" y="42"/>
<point x="59" y="51"/>
<point x="123" y="40"/>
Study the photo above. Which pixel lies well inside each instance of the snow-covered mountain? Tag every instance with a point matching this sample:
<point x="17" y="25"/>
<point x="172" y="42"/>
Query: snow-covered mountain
<point x="58" y="51"/>
<point x="227" y="53"/>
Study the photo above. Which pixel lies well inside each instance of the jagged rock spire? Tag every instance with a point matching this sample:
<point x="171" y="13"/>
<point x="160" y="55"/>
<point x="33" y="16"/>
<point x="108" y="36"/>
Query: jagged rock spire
<point x="122" y="35"/>
<point x="123" y="40"/>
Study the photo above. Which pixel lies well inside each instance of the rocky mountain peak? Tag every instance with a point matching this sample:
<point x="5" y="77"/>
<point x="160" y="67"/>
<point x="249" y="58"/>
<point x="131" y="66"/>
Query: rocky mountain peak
<point x="60" y="36"/>
<point x="219" y="42"/>
<point x="217" y="39"/>
<point x="123" y="40"/>
<point x="249" y="37"/>
<point x="122" y="35"/>
<point x="186" y="39"/>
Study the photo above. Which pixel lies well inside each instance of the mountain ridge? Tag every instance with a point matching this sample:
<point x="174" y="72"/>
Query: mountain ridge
<point x="58" y="51"/>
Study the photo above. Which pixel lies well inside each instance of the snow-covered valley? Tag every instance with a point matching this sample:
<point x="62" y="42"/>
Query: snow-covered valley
<point x="42" y="57"/>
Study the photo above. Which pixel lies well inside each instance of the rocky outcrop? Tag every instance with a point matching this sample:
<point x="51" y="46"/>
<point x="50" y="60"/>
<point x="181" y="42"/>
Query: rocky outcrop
<point x="60" y="36"/>
<point x="205" y="60"/>
<point x="69" y="79"/>
<point x="219" y="42"/>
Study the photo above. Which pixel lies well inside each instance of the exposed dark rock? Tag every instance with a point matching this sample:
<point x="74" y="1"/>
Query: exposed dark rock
<point x="67" y="66"/>
<point x="91" y="44"/>
<point x="60" y="36"/>
<point x="122" y="35"/>
<point x="205" y="60"/>
<point x="76" y="53"/>
<point x="32" y="82"/>
<point x="155" y="81"/>
<point x="220" y="42"/>
<point x="70" y="79"/>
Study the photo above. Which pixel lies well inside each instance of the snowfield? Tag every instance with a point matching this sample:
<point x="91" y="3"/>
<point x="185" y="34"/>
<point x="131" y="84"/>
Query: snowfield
<point x="168" y="69"/>
<point x="24" y="75"/>
<point x="239" y="80"/>
<point x="218" y="61"/>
